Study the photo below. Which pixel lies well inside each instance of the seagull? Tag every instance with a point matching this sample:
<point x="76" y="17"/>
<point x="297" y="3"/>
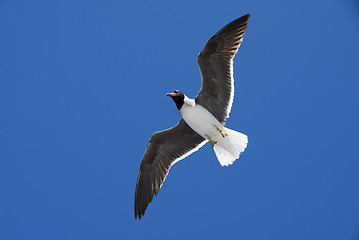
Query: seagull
<point x="203" y="118"/>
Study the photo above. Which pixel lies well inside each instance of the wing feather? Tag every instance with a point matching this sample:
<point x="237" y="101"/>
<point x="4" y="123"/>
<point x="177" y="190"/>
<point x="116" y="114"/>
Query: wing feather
<point x="164" y="149"/>
<point x="215" y="62"/>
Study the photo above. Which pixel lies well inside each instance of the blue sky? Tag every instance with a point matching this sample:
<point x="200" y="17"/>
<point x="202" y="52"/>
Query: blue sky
<point x="82" y="89"/>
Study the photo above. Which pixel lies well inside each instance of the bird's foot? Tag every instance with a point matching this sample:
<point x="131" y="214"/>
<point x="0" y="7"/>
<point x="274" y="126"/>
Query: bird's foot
<point x="211" y="141"/>
<point x="219" y="130"/>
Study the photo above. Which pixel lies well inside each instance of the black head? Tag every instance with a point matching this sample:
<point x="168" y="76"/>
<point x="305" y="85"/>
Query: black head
<point x="178" y="98"/>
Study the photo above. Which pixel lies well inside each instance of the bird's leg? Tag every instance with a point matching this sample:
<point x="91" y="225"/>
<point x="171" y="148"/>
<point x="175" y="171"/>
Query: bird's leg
<point x="219" y="130"/>
<point x="211" y="141"/>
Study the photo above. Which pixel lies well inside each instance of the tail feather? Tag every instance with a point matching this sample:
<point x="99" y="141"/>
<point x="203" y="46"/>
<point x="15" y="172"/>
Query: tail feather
<point x="231" y="150"/>
<point x="223" y="156"/>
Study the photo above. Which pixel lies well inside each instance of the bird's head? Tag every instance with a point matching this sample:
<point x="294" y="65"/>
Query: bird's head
<point x="177" y="97"/>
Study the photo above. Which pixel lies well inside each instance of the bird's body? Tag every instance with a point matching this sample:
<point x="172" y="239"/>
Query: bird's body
<point x="203" y="118"/>
<point x="206" y="125"/>
<point x="200" y="119"/>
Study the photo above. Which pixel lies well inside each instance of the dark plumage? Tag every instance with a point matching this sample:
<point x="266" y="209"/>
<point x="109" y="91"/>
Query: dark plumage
<point x="178" y="98"/>
<point x="215" y="62"/>
<point x="158" y="158"/>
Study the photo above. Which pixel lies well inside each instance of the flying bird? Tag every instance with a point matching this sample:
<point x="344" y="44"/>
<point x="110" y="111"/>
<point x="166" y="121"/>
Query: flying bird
<point x="203" y="118"/>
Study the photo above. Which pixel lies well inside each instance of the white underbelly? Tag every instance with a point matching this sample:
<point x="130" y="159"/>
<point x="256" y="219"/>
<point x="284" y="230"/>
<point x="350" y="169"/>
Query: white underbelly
<point x="201" y="121"/>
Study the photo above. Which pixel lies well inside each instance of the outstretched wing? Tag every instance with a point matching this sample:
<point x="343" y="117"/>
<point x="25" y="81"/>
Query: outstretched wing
<point x="215" y="62"/>
<point x="164" y="149"/>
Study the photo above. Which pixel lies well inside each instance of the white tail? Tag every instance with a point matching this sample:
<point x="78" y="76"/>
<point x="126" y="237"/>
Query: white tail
<point x="228" y="151"/>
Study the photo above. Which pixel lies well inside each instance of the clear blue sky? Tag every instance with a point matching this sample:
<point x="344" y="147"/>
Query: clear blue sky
<point x="82" y="89"/>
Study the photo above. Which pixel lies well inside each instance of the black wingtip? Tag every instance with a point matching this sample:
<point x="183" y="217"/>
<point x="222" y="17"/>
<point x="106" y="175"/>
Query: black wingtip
<point x="139" y="213"/>
<point x="244" y="18"/>
<point x="241" y="20"/>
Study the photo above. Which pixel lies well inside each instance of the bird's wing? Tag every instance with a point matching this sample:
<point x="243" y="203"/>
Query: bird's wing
<point x="215" y="62"/>
<point x="164" y="149"/>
